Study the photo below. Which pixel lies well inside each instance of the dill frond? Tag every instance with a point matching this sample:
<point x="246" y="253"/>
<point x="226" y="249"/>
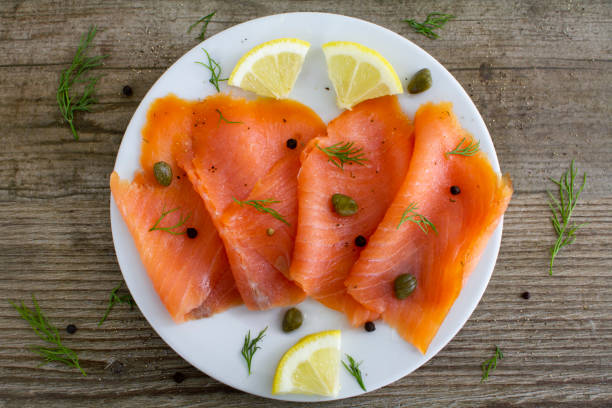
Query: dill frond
<point x="48" y="333"/>
<point x="469" y="150"/>
<point x="262" y="206"/>
<point x="344" y="152"/>
<point x="76" y="74"/>
<point x="411" y="215"/>
<point x="353" y="369"/>
<point x="433" y="21"/>
<point x="250" y="347"/>
<point x="562" y="209"/>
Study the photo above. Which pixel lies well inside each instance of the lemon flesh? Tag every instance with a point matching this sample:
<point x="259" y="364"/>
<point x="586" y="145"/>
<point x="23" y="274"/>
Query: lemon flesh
<point x="311" y="366"/>
<point x="359" y="73"/>
<point x="271" y="68"/>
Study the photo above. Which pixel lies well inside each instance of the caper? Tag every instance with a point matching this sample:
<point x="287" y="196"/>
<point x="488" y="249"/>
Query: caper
<point x="292" y="320"/>
<point x="404" y="285"/>
<point x="163" y="173"/>
<point x="420" y="82"/>
<point x="344" y="205"/>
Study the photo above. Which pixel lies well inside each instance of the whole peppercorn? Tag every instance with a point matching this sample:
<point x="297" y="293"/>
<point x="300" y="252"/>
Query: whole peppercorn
<point x="369" y="326"/>
<point x="178" y="377"/>
<point x="292" y="143"/>
<point x="361" y="241"/>
<point x="127" y="90"/>
<point x="192" y="232"/>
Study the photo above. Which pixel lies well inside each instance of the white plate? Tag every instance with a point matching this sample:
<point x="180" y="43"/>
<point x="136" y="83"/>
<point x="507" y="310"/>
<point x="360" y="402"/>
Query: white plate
<point x="213" y="345"/>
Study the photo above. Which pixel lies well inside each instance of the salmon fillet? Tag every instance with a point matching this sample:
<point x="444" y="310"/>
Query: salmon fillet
<point x="440" y="261"/>
<point x="325" y="248"/>
<point x="250" y="229"/>
<point x="248" y="160"/>
<point x="191" y="276"/>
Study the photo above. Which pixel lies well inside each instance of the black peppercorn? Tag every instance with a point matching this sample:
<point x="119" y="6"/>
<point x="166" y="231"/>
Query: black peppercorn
<point x="71" y="329"/>
<point x="455" y="190"/>
<point x="192" y="232"/>
<point x="361" y="241"/>
<point x="369" y="326"/>
<point x="127" y="90"/>
<point x="292" y="143"/>
<point x="525" y="295"/>
<point x="178" y="377"/>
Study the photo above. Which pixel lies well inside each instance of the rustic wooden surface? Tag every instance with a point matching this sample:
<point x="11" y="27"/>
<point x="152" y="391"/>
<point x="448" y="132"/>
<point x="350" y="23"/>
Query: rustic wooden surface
<point x="539" y="73"/>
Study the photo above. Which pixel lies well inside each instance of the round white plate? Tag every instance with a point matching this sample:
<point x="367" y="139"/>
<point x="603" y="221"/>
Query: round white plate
<point x="213" y="344"/>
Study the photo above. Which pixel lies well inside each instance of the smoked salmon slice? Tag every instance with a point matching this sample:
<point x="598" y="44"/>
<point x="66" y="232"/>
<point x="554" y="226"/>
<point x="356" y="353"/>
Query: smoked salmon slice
<point x="191" y="275"/>
<point x="325" y="248"/>
<point x="239" y="151"/>
<point x="271" y="238"/>
<point x="440" y="259"/>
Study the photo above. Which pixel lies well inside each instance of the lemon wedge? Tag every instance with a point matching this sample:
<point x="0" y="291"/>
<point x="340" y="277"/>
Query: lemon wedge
<point x="359" y="73"/>
<point x="311" y="366"/>
<point x="271" y="68"/>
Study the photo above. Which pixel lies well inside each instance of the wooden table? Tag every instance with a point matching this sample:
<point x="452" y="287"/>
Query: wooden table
<point x="539" y="73"/>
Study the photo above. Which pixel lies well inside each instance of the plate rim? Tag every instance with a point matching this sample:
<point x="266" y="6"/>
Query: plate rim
<point x="495" y="238"/>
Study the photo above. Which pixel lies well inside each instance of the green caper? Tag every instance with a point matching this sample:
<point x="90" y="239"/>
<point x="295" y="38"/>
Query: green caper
<point x="163" y="173"/>
<point x="404" y="285"/>
<point x="344" y="205"/>
<point x="420" y="82"/>
<point x="292" y="320"/>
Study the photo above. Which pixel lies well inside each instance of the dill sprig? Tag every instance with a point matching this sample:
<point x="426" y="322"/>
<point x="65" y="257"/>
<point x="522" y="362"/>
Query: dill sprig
<point x="411" y="215"/>
<point x="353" y="369"/>
<point x="489" y="365"/>
<point x="204" y="20"/>
<point x="215" y="70"/>
<point x="47" y="332"/>
<point x="75" y="74"/>
<point x="262" y="206"/>
<point x="562" y="209"/>
<point x="223" y="118"/>
<point x="250" y="347"/>
<point x="340" y="153"/>
<point x="114" y="298"/>
<point x="469" y="150"/>
<point x="433" y="21"/>
<point x="179" y="223"/>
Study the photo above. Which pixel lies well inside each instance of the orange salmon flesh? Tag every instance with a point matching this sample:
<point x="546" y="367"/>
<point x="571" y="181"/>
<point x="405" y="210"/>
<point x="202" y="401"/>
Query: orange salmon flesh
<point x="253" y="179"/>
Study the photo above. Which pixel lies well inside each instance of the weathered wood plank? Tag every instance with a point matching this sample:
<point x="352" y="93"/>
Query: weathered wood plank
<point x="515" y="104"/>
<point x="539" y="73"/>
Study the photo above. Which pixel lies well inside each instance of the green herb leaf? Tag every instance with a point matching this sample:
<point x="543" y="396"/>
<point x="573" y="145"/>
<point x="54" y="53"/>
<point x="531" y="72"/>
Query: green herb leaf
<point x="222" y="118"/>
<point x="215" y="71"/>
<point x="75" y="74"/>
<point x="114" y="299"/>
<point x="343" y="152"/>
<point x="353" y="369"/>
<point x="250" y="347"/>
<point x="204" y="20"/>
<point x="262" y="206"/>
<point x="562" y="209"/>
<point x="469" y="150"/>
<point x="411" y="215"/>
<point x="49" y="333"/>
<point x="489" y="365"/>
<point x="171" y="229"/>
<point x="433" y="21"/>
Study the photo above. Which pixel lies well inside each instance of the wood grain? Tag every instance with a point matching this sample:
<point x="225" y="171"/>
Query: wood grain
<point x="540" y="74"/>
